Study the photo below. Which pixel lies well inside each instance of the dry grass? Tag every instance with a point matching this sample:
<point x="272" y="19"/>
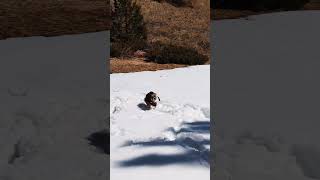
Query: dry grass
<point x="219" y="14"/>
<point x="20" y="18"/>
<point x="312" y="6"/>
<point x="167" y="24"/>
<point x="137" y="65"/>
<point x="180" y="26"/>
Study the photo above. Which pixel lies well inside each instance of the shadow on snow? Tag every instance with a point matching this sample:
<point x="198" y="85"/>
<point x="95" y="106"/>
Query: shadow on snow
<point x="101" y="140"/>
<point x="195" y="150"/>
<point x="202" y="127"/>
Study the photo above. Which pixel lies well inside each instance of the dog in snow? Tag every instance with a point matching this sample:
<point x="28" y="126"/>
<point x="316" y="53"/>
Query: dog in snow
<point x="151" y="100"/>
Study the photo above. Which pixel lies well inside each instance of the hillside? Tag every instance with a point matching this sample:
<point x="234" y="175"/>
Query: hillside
<point x="168" y="24"/>
<point x="183" y="26"/>
<point x="220" y="14"/>
<point x="52" y="17"/>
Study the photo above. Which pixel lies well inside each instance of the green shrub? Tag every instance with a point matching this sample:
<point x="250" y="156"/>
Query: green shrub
<point x="168" y="53"/>
<point x="128" y="31"/>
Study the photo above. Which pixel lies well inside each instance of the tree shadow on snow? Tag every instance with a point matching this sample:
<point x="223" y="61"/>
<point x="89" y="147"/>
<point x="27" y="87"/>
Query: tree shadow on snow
<point x="190" y="157"/>
<point x="195" y="148"/>
<point x="202" y="127"/>
<point x="101" y="140"/>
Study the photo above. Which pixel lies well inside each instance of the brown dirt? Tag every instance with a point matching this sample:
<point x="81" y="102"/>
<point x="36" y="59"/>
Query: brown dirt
<point x="137" y="65"/>
<point x="21" y="18"/>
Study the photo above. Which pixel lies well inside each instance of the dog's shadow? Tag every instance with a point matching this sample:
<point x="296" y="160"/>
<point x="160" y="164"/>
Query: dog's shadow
<point x="143" y="106"/>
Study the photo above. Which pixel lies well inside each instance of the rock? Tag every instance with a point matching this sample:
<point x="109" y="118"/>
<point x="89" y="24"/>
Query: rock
<point x="139" y="53"/>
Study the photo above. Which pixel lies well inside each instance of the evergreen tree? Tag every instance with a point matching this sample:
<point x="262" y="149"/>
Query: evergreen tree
<point x="127" y="22"/>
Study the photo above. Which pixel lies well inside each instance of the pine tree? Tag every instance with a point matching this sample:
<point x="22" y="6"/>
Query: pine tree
<point x="127" y="22"/>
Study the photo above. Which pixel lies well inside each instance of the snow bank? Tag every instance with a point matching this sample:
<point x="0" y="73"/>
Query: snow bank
<point x="169" y="142"/>
<point x="267" y="96"/>
<point x="53" y="97"/>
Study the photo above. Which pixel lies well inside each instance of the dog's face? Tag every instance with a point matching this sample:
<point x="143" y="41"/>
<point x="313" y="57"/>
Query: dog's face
<point x="151" y="98"/>
<point x="154" y="97"/>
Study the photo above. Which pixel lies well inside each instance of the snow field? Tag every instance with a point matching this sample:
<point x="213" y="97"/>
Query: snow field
<point x="170" y="141"/>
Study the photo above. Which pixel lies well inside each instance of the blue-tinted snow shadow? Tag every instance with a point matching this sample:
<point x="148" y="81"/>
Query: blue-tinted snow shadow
<point x="195" y="151"/>
<point x="190" y="157"/>
<point x="202" y="127"/>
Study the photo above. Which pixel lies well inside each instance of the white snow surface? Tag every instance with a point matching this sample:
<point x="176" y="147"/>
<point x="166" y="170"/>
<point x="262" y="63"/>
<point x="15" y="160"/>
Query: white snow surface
<point x="171" y="141"/>
<point x="52" y="97"/>
<point x="267" y="97"/>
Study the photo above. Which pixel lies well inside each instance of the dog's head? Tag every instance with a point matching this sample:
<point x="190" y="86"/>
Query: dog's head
<point x="152" y="97"/>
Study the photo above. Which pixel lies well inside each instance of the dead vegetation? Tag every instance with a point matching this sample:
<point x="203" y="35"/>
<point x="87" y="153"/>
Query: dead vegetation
<point x="20" y="18"/>
<point x="138" y="64"/>
<point x="312" y="6"/>
<point x="220" y="14"/>
<point x="171" y="23"/>
<point x="181" y="26"/>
